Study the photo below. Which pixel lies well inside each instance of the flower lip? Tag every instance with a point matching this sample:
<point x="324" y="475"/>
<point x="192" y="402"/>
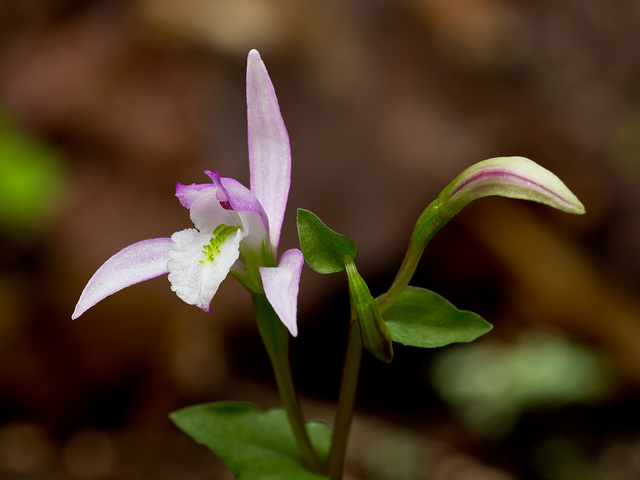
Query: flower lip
<point x="196" y="271"/>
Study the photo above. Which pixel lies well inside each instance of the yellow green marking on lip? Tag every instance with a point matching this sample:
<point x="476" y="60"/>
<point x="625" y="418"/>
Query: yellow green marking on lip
<point x="220" y="235"/>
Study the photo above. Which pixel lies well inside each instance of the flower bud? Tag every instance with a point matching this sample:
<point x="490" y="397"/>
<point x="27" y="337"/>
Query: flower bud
<point x="514" y="177"/>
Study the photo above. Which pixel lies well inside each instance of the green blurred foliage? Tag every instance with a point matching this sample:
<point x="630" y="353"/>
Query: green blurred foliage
<point x="491" y="385"/>
<point x="396" y="457"/>
<point x="32" y="181"/>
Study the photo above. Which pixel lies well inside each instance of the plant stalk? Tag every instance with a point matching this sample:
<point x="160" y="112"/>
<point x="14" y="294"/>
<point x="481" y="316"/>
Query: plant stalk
<point x="346" y="401"/>
<point x="276" y="340"/>
<point x="431" y="220"/>
<point x="292" y="406"/>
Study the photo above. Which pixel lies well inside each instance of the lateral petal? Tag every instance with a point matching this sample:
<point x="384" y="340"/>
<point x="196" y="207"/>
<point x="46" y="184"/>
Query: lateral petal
<point x="281" y="285"/>
<point x="133" y="264"/>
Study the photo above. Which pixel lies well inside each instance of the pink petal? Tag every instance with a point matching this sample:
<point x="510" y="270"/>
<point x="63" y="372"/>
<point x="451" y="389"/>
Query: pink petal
<point x="239" y="197"/>
<point x="281" y="286"/>
<point x="205" y="210"/>
<point x="269" y="150"/>
<point x="209" y="203"/>
<point x="187" y="194"/>
<point x="134" y="264"/>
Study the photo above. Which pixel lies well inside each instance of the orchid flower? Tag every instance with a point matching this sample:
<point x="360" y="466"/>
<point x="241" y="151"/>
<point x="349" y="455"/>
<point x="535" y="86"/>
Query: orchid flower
<point x="236" y="230"/>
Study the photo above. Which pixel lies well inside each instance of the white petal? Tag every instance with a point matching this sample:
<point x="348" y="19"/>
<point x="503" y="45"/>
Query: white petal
<point x="281" y="285"/>
<point x="254" y="230"/>
<point x="194" y="280"/>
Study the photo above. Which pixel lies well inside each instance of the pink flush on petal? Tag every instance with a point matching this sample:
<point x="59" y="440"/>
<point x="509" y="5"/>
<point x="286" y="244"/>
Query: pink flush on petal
<point x="134" y="264"/>
<point x="281" y="285"/>
<point x="269" y="149"/>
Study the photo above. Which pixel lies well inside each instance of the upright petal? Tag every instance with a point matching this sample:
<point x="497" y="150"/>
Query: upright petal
<point x="269" y="149"/>
<point x="134" y="264"/>
<point x="281" y="285"/>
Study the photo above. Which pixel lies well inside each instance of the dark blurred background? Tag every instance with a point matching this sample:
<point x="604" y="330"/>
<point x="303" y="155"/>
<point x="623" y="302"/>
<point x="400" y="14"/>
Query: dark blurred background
<point x="104" y="105"/>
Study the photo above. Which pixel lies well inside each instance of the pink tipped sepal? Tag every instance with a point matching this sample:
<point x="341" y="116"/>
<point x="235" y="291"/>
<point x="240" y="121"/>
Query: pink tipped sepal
<point x="134" y="264"/>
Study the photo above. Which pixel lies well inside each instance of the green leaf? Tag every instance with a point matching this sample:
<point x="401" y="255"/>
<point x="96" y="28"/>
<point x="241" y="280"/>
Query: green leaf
<point x="255" y="445"/>
<point x="422" y="318"/>
<point x="323" y="248"/>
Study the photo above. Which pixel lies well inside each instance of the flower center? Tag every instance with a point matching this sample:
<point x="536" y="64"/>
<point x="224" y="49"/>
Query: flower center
<point x="220" y="235"/>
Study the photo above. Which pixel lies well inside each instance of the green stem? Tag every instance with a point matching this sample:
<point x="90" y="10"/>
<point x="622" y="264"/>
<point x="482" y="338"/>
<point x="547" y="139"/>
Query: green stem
<point x="276" y="340"/>
<point x="431" y="220"/>
<point x="346" y="401"/>
<point x="292" y="406"/>
<point x="402" y="279"/>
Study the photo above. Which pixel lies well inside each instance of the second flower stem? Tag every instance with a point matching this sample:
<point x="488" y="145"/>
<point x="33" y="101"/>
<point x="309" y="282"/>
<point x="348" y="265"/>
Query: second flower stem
<point x="346" y="401"/>
<point x="428" y="224"/>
